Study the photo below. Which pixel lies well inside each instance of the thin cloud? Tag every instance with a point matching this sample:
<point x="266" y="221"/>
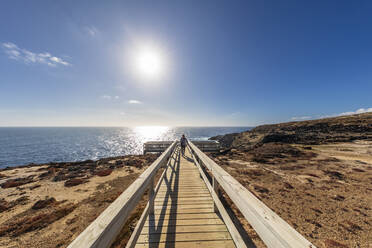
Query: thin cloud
<point x="108" y="97"/>
<point x="234" y="114"/>
<point x="134" y="102"/>
<point x="28" y="57"/>
<point x="92" y="30"/>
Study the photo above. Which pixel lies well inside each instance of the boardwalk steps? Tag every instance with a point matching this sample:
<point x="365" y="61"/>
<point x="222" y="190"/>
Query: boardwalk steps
<point x="184" y="209"/>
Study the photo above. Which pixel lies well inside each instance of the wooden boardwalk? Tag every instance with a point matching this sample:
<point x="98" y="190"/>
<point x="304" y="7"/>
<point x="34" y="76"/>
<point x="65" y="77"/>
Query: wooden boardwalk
<point x="182" y="207"/>
<point x="184" y="213"/>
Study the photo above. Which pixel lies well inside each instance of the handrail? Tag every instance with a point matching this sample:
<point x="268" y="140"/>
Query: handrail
<point x="273" y="230"/>
<point x="137" y="230"/>
<point x="105" y="228"/>
<point x="235" y="235"/>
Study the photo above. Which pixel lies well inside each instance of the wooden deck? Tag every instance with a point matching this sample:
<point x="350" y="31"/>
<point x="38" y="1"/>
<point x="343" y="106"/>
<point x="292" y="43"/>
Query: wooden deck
<point x="184" y="211"/>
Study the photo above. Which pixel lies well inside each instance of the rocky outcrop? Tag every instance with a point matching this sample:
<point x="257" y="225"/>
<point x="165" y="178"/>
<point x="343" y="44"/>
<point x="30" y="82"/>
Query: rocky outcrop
<point x="225" y="140"/>
<point x="74" y="182"/>
<point x="17" y="182"/>
<point x="328" y="130"/>
<point x="103" y="173"/>
<point x="44" y="203"/>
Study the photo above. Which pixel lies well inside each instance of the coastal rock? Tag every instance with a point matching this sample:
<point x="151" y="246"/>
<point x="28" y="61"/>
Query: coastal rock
<point x="74" y="182"/>
<point x="61" y="176"/>
<point x="103" y="173"/>
<point x="335" y="175"/>
<point x="34" y="186"/>
<point x="17" y="182"/>
<point x="225" y="140"/>
<point x="4" y="205"/>
<point x="44" y="203"/>
<point x="134" y="162"/>
<point x="260" y="189"/>
<point x="329" y="243"/>
<point x="48" y="174"/>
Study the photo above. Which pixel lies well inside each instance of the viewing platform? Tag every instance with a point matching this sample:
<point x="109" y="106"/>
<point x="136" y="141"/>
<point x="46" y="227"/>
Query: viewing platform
<point x="161" y="146"/>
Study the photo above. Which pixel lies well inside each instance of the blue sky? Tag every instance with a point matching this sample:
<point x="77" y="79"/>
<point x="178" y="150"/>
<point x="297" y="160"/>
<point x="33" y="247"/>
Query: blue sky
<point x="70" y="63"/>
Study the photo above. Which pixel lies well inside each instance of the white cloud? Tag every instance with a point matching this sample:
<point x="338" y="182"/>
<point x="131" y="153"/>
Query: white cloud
<point x="134" y="102"/>
<point x="359" y="111"/>
<point x="9" y="45"/>
<point x="28" y="57"/>
<point x="234" y="114"/>
<point x="300" y="118"/>
<point x="108" y="97"/>
<point x="92" y="30"/>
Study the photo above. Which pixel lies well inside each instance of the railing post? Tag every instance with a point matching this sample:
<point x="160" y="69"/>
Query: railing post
<point x="151" y="197"/>
<point x="215" y="189"/>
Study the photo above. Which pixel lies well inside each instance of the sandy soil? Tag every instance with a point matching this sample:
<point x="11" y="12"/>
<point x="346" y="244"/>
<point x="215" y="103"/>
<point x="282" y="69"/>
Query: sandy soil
<point x="73" y="208"/>
<point x="323" y="191"/>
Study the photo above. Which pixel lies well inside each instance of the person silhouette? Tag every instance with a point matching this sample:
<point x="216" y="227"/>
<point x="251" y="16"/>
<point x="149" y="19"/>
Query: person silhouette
<point x="183" y="142"/>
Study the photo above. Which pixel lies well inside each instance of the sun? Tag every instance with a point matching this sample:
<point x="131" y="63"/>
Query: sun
<point x="149" y="63"/>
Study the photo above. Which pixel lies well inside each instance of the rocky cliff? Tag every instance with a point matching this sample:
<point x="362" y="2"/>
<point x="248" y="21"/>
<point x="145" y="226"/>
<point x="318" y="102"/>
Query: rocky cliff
<point x="321" y="131"/>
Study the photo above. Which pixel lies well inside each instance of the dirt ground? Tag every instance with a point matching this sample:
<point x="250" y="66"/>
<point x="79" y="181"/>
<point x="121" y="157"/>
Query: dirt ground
<point x="323" y="191"/>
<point x="47" y="213"/>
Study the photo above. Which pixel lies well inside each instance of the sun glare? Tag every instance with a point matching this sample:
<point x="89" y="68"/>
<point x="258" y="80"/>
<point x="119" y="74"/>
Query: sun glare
<point x="147" y="133"/>
<point x="149" y="63"/>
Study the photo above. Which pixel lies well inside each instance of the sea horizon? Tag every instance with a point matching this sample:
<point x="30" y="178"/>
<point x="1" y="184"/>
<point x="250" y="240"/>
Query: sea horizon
<point x="34" y="145"/>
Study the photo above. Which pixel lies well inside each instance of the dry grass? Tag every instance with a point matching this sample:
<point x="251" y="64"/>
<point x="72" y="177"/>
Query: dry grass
<point x="34" y="220"/>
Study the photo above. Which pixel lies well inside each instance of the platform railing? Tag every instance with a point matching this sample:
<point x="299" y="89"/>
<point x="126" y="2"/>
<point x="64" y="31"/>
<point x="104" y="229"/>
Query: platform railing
<point x="160" y="146"/>
<point x="273" y="230"/>
<point x="103" y="231"/>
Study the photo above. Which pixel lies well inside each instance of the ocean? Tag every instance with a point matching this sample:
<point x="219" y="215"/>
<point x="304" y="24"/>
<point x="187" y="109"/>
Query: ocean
<point x="25" y="145"/>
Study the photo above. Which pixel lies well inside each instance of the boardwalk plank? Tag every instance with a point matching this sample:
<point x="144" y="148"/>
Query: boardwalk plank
<point x="204" y="244"/>
<point x="209" y="215"/>
<point x="189" y="229"/>
<point x="173" y="237"/>
<point x="177" y="222"/>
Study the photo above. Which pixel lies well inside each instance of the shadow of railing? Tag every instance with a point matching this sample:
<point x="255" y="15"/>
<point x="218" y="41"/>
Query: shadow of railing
<point x="156" y="229"/>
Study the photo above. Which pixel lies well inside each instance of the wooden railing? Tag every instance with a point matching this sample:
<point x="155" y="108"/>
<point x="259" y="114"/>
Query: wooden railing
<point x="273" y="230"/>
<point x="218" y="206"/>
<point x="156" y="146"/>
<point x="103" y="230"/>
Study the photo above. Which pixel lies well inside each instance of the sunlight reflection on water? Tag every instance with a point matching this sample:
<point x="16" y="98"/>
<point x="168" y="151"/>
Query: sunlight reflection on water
<point x="40" y="145"/>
